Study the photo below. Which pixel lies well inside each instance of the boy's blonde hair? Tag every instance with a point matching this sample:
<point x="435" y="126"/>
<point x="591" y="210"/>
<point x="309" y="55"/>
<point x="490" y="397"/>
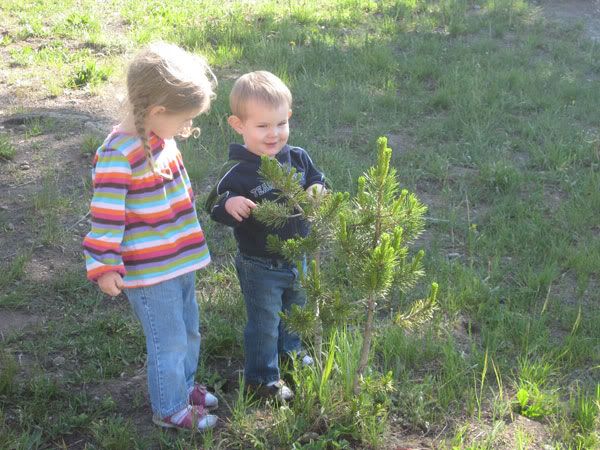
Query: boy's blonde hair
<point x="166" y="75"/>
<point x="262" y="86"/>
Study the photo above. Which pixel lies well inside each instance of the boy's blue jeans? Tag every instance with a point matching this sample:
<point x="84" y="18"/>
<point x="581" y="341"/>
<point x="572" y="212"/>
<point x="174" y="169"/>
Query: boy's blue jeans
<point x="169" y="316"/>
<point x="269" y="286"/>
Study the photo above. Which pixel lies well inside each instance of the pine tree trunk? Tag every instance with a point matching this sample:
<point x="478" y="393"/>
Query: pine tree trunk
<point x="319" y="336"/>
<point x="366" y="344"/>
<point x="319" y="322"/>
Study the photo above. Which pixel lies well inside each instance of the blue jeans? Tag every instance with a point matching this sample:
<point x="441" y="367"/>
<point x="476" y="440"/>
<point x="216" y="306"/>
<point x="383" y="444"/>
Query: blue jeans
<point x="169" y="316"/>
<point x="269" y="286"/>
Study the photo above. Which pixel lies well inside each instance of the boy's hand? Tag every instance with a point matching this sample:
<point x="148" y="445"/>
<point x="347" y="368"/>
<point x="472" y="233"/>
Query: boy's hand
<point x="111" y="283"/>
<point x="316" y="190"/>
<point x="239" y="207"/>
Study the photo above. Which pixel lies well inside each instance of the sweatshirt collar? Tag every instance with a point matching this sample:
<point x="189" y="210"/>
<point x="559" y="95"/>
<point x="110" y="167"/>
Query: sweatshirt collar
<point x="240" y="152"/>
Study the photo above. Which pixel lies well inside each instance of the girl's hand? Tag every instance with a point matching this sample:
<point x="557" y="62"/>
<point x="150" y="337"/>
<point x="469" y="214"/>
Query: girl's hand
<point x="111" y="283"/>
<point x="316" y="190"/>
<point x="239" y="207"/>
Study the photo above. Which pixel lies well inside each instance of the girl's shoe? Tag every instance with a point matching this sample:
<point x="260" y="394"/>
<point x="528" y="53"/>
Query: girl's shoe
<point x="199" y="396"/>
<point x="190" y="418"/>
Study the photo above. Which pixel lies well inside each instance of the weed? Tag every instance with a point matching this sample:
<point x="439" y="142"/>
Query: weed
<point x="8" y="370"/>
<point x="14" y="270"/>
<point x="584" y="408"/>
<point x="535" y="403"/>
<point x="34" y="127"/>
<point x="7" y="150"/>
<point x="90" y="144"/>
<point x="89" y="74"/>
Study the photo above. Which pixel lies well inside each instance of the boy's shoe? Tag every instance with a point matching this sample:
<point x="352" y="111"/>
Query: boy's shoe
<point x="307" y="360"/>
<point x="189" y="418"/>
<point x="199" y="396"/>
<point x="275" y="389"/>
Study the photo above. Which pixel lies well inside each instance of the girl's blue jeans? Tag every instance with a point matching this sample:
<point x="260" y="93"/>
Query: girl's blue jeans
<point x="169" y="316"/>
<point x="269" y="286"/>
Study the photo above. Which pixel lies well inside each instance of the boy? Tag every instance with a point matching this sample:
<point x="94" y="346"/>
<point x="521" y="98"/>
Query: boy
<point x="261" y="107"/>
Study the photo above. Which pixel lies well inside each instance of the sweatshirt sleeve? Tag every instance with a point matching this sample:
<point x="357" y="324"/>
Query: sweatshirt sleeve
<point x="313" y="175"/>
<point x="223" y="191"/>
<point x="102" y="245"/>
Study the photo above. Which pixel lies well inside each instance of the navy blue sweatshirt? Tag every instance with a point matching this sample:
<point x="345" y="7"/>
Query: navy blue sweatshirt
<point x="242" y="179"/>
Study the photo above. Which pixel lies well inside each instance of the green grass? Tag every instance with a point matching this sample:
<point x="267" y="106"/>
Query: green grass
<point x="7" y="149"/>
<point x="496" y="111"/>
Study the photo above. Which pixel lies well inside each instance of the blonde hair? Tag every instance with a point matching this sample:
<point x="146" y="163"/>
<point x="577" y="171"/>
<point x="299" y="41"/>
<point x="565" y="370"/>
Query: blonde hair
<point x="262" y="86"/>
<point x="165" y="75"/>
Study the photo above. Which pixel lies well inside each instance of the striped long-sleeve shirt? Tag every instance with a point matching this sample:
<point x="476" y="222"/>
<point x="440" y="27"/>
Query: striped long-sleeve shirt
<point x="143" y="225"/>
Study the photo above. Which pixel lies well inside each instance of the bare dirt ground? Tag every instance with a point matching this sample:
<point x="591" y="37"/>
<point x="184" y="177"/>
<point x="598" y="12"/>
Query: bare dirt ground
<point x="58" y="149"/>
<point x="584" y="12"/>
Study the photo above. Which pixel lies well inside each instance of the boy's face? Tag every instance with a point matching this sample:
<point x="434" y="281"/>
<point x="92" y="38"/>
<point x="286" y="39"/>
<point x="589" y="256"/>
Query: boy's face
<point x="265" y="128"/>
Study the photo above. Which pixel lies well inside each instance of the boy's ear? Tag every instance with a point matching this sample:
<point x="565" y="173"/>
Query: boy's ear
<point x="236" y="123"/>
<point x="289" y="113"/>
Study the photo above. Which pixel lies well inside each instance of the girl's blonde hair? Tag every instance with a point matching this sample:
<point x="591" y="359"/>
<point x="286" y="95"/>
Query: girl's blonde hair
<point x="165" y="75"/>
<point x="262" y="86"/>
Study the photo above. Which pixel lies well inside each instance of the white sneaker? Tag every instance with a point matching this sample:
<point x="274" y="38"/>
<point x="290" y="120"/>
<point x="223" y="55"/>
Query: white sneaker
<point x="189" y="418"/>
<point x="307" y="361"/>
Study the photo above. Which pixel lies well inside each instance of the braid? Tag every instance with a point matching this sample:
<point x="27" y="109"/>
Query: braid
<point x="139" y="114"/>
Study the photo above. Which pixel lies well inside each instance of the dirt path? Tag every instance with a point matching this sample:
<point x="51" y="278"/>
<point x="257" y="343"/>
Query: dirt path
<point x="585" y="12"/>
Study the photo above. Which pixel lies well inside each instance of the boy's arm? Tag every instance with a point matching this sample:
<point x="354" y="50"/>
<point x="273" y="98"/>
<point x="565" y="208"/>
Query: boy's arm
<point x="224" y="204"/>
<point x="314" y="177"/>
<point x="231" y="209"/>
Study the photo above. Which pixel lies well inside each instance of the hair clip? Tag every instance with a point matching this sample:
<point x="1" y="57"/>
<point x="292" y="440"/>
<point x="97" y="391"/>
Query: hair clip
<point x="165" y="172"/>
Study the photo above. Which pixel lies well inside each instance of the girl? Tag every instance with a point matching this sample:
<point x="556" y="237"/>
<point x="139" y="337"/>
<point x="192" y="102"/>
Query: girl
<point x="145" y="237"/>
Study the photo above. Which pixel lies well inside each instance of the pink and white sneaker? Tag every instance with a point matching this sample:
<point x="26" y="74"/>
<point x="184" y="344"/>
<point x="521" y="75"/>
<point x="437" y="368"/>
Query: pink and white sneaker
<point x="189" y="418"/>
<point x="199" y="396"/>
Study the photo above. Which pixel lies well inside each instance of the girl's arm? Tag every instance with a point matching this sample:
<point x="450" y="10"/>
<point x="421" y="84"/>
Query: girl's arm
<point x="102" y="245"/>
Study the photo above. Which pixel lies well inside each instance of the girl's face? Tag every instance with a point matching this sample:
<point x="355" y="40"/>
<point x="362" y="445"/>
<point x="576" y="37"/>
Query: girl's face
<point x="167" y="124"/>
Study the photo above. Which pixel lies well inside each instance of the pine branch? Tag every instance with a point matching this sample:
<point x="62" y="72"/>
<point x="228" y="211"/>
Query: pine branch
<point x="273" y="214"/>
<point x="420" y="312"/>
<point x="285" y="181"/>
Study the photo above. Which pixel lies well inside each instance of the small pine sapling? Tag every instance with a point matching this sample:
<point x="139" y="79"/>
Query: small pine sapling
<point x="374" y="235"/>
<point x="357" y="250"/>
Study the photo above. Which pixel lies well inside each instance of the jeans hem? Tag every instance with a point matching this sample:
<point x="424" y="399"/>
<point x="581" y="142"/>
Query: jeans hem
<point x="261" y="383"/>
<point x="172" y="411"/>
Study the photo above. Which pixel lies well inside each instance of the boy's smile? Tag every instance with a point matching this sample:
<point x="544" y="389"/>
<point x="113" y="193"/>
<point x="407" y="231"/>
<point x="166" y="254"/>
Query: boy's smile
<point x="265" y="128"/>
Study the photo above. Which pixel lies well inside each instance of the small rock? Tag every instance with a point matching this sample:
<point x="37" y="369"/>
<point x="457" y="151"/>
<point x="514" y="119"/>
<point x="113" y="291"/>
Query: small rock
<point x="24" y="166"/>
<point x="307" y="437"/>
<point x="59" y="361"/>
<point x="10" y="226"/>
<point x="454" y="255"/>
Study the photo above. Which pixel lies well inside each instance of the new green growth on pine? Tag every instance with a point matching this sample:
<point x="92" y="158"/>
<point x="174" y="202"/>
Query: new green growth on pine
<point x="358" y="251"/>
